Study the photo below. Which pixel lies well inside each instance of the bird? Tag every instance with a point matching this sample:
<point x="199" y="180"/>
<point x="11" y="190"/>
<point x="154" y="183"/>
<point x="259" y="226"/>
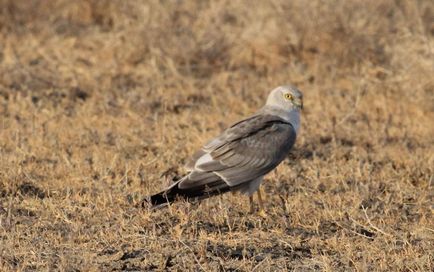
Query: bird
<point x="238" y="159"/>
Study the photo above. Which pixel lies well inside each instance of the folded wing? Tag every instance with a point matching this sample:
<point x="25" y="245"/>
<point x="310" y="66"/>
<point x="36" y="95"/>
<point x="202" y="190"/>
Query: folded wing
<point x="247" y="150"/>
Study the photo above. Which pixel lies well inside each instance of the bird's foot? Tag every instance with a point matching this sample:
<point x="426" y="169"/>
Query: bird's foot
<point x="262" y="213"/>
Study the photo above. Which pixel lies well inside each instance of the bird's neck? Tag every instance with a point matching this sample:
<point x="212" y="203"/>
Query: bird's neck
<point x="290" y="116"/>
<point x="293" y="117"/>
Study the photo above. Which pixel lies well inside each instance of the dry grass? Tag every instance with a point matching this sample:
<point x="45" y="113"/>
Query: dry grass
<point x="101" y="103"/>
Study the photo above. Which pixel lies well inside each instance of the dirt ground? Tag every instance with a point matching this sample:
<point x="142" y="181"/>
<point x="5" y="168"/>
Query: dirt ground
<point x="102" y="102"/>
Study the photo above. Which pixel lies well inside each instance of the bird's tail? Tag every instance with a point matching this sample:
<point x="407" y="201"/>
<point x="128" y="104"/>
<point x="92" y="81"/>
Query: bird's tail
<point x="174" y="193"/>
<point x="163" y="198"/>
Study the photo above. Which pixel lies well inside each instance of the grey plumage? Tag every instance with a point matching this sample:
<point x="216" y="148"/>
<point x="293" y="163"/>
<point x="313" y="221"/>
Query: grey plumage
<point x="238" y="159"/>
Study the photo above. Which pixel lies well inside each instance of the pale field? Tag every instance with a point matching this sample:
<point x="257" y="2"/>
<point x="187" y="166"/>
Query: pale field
<point x="102" y="102"/>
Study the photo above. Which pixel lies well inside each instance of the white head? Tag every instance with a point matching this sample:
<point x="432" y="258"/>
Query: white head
<point x="286" y="102"/>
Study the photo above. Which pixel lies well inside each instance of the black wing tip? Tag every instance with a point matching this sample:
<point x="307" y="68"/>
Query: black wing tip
<point x="163" y="199"/>
<point x="155" y="201"/>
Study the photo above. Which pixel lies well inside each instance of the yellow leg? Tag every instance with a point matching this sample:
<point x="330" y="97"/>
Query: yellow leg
<point x="252" y="209"/>
<point x="261" y="204"/>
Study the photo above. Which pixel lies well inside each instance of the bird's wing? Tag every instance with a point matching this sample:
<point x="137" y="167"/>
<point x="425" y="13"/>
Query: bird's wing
<point x="189" y="166"/>
<point x="247" y="150"/>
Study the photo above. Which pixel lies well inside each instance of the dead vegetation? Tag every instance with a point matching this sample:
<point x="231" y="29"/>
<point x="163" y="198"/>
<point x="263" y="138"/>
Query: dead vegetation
<point x="101" y="103"/>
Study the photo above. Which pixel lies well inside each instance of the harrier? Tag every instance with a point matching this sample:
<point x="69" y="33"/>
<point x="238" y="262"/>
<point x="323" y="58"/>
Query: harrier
<point x="240" y="157"/>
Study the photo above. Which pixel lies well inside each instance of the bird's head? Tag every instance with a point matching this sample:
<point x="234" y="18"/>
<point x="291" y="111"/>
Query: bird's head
<point x="286" y="97"/>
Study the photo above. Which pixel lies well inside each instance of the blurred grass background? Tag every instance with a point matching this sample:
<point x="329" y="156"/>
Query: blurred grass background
<point x="101" y="102"/>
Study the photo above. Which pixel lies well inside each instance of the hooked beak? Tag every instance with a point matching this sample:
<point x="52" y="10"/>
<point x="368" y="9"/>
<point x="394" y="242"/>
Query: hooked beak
<point x="298" y="103"/>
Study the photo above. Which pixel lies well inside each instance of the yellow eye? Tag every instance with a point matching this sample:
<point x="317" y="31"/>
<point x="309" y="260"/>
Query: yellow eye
<point x="287" y="96"/>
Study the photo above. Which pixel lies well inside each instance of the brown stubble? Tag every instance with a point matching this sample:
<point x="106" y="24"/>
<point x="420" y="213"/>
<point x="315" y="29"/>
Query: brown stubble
<point x="102" y="102"/>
